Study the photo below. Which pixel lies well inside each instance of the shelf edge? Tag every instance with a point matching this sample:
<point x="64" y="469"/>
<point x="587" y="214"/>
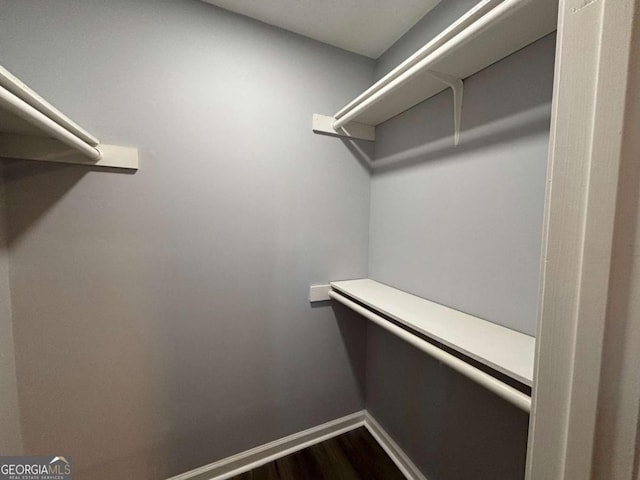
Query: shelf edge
<point x="505" y="370"/>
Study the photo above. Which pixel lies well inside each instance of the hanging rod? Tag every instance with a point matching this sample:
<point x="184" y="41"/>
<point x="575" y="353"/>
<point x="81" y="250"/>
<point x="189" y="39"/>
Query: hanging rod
<point x="22" y="91"/>
<point x="22" y="109"/>
<point x="469" y="33"/>
<point x="507" y="392"/>
<point x="463" y="22"/>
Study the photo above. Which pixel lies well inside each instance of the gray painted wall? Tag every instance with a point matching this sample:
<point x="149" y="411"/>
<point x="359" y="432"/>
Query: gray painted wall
<point x="10" y="436"/>
<point x="461" y="226"/>
<point x="452" y="428"/>
<point x="161" y="319"/>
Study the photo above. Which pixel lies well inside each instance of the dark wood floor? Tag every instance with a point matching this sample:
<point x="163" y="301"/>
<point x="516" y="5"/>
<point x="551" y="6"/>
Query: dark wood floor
<point x="352" y="456"/>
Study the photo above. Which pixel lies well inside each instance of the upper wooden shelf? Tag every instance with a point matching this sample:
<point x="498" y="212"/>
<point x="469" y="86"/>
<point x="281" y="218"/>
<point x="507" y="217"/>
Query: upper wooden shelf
<point x="502" y="349"/>
<point x="489" y="32"/>
<point x="32" y="129"/>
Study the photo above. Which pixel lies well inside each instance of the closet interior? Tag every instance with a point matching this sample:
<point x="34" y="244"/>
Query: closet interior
<point x="156" y="315"/>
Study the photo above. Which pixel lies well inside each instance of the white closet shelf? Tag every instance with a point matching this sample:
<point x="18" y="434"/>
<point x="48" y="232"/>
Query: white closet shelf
<point x="32" y="129"/>
<point x="502" y="349"/>
<point x="489" y="32"/>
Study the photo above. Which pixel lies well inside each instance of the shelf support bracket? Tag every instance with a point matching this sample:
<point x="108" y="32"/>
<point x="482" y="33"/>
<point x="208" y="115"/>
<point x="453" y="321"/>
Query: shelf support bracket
<point x="457" y="86"/>
<point x="354" y="130"/>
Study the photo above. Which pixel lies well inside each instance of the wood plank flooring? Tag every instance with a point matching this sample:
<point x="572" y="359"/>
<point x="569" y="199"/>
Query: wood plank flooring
<point x="354" y="455"/>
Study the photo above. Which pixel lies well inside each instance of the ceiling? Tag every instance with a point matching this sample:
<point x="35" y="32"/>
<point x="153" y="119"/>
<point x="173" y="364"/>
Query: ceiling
<point x="366" y="27"/>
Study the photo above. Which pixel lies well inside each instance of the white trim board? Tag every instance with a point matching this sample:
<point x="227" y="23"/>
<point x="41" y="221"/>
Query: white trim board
<point x="402" y="461"/>
<point x="263" y="454"/>
<point x="26" y="147"/>
<point x="355" y="130"/>
<point x="584" y="418"/>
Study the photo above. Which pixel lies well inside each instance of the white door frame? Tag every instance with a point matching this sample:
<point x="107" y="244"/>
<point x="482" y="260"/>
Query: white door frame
<point x="584" y="420"/>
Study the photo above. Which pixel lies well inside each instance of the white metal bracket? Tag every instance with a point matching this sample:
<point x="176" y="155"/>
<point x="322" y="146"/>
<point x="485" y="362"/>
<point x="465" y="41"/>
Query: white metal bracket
<point x="354" y="130"/>
<point x="457" y="86"/>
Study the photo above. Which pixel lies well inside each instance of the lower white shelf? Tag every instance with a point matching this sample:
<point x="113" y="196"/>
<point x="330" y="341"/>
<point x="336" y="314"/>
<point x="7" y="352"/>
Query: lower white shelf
<point x="504" y="350"/>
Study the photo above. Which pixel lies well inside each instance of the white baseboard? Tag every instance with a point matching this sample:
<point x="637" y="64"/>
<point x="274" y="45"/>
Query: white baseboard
<point x="256" y="457"/>
<point x="402" y="461"/>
